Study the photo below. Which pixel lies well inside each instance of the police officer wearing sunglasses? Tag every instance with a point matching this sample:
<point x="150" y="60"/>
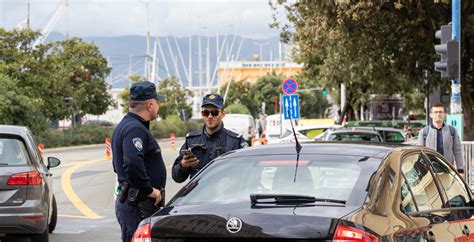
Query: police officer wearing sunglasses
<point x="212" y="141"/>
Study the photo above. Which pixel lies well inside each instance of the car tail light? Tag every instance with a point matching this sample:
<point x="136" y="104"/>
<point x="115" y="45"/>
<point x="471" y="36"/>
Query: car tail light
<point x="345" y="233"/>
<point x="26" y="178"/>
<point x="142" y="234"/>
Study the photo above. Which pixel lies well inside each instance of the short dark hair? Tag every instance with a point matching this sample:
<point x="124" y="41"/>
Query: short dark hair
<point x="438" y="105"/>
<point x="136" y="106"/>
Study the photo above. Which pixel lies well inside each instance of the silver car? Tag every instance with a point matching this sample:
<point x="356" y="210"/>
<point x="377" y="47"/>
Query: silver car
<point x="27" y="203"/>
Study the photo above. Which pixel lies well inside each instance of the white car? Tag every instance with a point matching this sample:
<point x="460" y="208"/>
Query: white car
<point x="243" y="124"/>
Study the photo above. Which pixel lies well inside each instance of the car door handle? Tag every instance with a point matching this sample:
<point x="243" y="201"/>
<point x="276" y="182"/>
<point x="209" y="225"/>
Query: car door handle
<point x="466" y="230"/>
<point x="429" y="236"/>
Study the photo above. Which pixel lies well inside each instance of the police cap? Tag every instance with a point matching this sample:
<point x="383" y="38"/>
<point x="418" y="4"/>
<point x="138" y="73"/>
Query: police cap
<point x="215" y="100"/>
<point x="141" y="91"/>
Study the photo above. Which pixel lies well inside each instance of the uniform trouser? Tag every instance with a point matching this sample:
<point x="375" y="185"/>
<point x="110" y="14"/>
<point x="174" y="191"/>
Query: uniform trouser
<point x="128" y="218"/>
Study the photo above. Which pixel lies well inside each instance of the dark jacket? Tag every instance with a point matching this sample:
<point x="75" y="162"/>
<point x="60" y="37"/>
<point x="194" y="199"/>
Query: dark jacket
<point x="137" y="156"/>
<point x="206" y="148"/>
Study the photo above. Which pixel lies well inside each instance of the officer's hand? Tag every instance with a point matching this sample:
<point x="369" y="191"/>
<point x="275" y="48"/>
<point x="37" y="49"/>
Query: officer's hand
<point x="156" y="194"/>
<point x="189" y="162"/>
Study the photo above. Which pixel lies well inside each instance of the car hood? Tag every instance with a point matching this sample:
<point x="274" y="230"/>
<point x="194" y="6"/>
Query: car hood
<point x="210" y="221"/>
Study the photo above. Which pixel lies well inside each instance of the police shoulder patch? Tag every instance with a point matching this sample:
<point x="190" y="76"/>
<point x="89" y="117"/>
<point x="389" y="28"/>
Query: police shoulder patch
<point x="138" y="143"/>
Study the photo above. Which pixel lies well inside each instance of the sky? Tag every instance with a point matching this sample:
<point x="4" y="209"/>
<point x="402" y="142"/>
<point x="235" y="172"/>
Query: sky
<point x="85" y="18"/>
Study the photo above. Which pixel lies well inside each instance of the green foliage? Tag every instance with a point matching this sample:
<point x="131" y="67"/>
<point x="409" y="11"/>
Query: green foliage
<point x="37" y="80"/>
<point x="163" y="128"/>
<point x="237" y="108"/>
<point x="82" y="135"/>
<point x="17" y="108"/>
<point x="370" y="47"/>
<point x="176" y="97"/>
<point x="269" y="89"/>
<point x="242" y="92"/>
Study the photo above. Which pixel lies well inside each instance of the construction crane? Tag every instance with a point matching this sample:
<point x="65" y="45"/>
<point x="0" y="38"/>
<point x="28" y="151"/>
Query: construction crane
<point x="52" y="22"/>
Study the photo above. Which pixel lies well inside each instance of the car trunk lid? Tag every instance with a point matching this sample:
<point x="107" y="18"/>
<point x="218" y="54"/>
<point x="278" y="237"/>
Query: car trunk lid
<point x="12" y="194"/>
<point x="213" y="222"/>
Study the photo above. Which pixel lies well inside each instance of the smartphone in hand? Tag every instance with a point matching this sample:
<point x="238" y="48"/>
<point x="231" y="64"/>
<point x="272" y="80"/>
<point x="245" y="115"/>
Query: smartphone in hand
<point x="189" y="153"/>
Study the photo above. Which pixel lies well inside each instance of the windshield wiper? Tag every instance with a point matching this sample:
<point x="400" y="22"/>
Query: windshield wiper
<point x="4" y="164"/>
<point x="288" y="199"/>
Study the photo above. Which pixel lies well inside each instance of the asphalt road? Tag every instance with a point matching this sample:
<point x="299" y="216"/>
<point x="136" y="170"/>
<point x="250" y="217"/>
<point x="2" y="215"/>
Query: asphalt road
<point x="83" y="186"/>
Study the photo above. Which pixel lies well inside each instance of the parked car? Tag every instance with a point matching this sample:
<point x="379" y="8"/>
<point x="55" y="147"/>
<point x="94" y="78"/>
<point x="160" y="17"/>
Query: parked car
<point x="243" y="124"/>
<point x="354" y="135"/>
<point x="303" y="133"/>
<point x="103" y="123"/>
<point x="390" y="135"/>
<point x="27" y="202"/>
<point x="327" y="191"/>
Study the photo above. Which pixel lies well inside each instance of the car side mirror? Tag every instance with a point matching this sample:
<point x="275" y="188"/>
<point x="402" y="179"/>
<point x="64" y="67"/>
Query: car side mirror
<point x="53" y="162"/>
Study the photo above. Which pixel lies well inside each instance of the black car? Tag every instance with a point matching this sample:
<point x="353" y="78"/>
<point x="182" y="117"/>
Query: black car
<point x="327" y="191"/>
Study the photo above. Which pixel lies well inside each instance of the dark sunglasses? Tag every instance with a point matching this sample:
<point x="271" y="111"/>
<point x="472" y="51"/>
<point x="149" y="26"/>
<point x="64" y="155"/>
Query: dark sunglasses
<point x="205" y="113"/>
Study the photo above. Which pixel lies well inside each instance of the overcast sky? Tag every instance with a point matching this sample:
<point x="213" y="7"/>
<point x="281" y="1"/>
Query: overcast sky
<point x="128" y="17"/>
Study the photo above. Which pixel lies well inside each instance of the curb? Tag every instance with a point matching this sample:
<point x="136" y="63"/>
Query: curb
<point x="80" y="147"/>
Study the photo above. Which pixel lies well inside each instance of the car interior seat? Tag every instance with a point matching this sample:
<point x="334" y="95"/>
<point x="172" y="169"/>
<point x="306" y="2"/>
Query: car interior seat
<point x="284" y="183"/>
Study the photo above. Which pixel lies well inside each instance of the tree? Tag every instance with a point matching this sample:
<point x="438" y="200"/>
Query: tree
<point x="242" y="92"/>
<point x="313" y="103"/>
<point x="176" y="97"/>
<point x="345" y="42"/>
<point x="237" y="108"/>
<point x="50" y="72"/>
<point x="125" y="93"/>
<point x="18" y="109"/>
<point x="269" y="89"/>
<point x="82" y="71"/>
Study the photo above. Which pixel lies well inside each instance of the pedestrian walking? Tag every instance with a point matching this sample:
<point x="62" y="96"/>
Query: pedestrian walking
<point x="442" y="137"/>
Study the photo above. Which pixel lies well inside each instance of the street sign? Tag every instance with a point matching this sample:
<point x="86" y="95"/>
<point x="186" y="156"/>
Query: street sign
<point x="291" y="106"/>
<point x="289" y="86"/>
<point x="455" y="120"/>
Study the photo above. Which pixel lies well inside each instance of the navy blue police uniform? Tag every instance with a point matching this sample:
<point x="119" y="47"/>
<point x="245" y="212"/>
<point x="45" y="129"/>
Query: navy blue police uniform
<point x="204" y="146"/>
<point x="137" y="160"/>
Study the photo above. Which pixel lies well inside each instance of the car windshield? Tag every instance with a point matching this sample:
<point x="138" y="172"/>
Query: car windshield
<point x="12" y="152"/>
<point x="322" y="176"/>
<point x="354" y="137"/>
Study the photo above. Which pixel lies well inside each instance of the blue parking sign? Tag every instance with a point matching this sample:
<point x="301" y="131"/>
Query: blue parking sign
<point x="291" y="106"/>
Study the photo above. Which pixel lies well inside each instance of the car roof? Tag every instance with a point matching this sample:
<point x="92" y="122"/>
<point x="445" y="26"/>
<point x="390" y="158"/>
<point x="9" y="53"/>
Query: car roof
<point x="363" y="149"/>
<point x="13" y="129"/>
<point x="357" y="131"/>
<point x="376" y="128"/>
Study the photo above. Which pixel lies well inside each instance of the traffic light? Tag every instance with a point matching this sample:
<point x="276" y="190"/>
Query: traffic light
<point x="448" y="49"/>
<point x="324" y="91"/>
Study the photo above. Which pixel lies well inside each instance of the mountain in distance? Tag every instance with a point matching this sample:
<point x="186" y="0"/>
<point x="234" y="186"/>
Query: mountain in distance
<point x="126" y="54"/>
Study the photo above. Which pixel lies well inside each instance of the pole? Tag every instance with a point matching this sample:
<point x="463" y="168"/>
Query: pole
<point x="456" y="107"/>
<point x="427" y="91"/>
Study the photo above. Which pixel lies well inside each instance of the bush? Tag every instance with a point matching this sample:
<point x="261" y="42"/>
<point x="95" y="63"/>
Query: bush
<point x="82" y="135"/>
<point x="163" y="128"/>
<point x="237" y="108"/>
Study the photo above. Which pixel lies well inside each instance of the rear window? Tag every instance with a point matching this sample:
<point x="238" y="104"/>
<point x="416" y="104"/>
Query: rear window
<point x="13" y="152"/>
<point x="321" y="176"/>
<point x="393" y="136"/>
<point x="354" y="137"/>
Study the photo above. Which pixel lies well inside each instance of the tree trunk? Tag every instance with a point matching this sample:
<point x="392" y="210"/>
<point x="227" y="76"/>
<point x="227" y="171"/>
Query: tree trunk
<point x="468" y="134"/>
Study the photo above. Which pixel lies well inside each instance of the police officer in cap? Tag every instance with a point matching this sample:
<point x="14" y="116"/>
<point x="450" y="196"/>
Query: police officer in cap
<point x="212" y="141"/>
<point x="137" y="158"/>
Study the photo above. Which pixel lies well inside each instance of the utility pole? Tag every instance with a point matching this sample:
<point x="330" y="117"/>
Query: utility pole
<point x="28" y="16"/>
<point x="260" y="57"/>
<point x="456" y="107"/>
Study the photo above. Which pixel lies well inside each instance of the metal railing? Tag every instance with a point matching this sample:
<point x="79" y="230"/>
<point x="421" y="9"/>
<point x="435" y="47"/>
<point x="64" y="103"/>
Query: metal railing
<point x="468" y="155"/>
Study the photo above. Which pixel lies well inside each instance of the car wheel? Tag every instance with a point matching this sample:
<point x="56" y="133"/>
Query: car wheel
<point x="43" y="237"/>
<point x="54" y="217"/>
